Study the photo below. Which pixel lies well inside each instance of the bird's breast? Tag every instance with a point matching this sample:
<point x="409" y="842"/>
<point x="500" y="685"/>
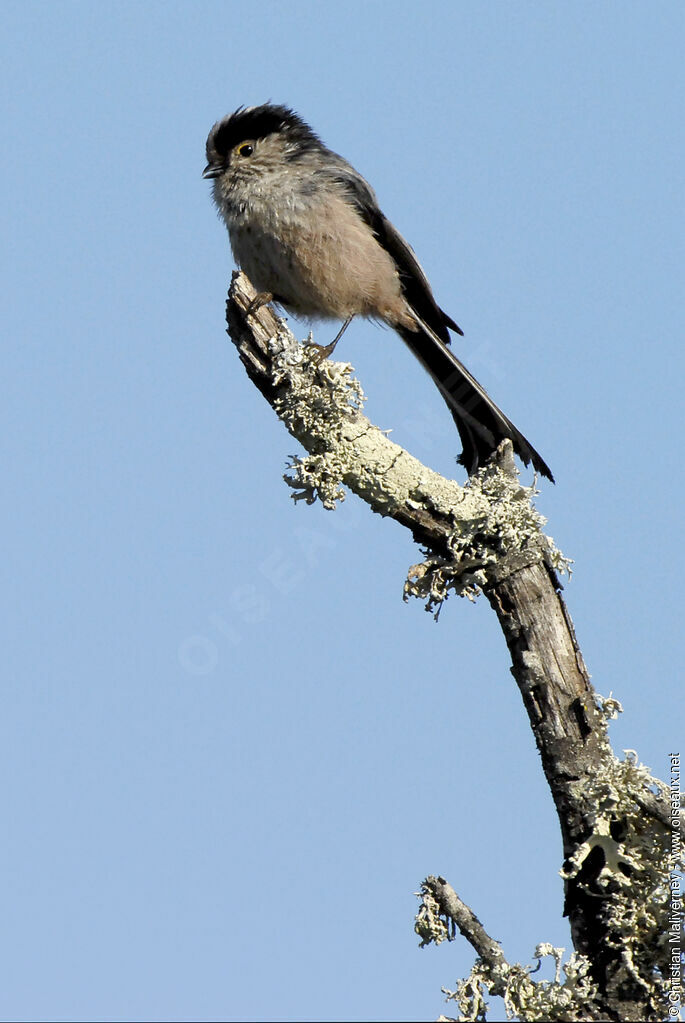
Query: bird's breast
<point x="317" y="255"/>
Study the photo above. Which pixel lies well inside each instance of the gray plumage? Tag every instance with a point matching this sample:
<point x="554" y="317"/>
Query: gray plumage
<point x="306" y="227"/>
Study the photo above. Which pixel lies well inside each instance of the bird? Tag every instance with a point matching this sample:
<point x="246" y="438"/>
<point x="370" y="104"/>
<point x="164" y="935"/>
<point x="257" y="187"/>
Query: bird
<point x="308" y="231"/>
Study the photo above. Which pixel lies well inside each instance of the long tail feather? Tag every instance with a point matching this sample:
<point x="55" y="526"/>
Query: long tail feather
<point x="481" y="424"/>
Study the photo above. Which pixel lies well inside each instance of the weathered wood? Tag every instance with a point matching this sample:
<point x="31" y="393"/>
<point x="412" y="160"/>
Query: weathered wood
<point x="569" y="731"/>
<point x="488" y="538"/>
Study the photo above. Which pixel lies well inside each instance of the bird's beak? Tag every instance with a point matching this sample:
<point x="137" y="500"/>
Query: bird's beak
<point x="213" y="170"/>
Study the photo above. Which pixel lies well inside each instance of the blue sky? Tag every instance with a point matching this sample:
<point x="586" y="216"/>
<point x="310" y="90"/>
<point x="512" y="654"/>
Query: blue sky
<point x="230" y="751"/>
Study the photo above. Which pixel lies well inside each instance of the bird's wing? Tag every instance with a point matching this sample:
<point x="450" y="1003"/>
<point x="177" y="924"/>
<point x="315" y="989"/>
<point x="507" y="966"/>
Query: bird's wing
<point x="415" y="285"/>
<point x="481" y="424"/>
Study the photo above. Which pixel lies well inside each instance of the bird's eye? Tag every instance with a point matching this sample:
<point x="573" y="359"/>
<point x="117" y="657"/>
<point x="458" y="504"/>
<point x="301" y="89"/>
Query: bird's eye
<point x="247" y="149"/>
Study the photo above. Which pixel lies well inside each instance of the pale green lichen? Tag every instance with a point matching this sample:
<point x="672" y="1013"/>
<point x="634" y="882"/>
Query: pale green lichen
<point x="508" y="524"/>
<point x="316" y="477"/>
<point x="633" y="900"/>
<point x="322" y="393"/>
<point x="492" y="515"/>
<point x="429" y="923"/>
<point x="566" y="998"/>
<point x="321" y="396"/>
<point x="635" y="873"/>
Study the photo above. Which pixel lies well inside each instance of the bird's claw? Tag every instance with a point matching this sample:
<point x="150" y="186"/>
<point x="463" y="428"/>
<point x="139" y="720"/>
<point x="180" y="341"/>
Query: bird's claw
<point x="261" y="298"/>
<point x="318" y="353"/>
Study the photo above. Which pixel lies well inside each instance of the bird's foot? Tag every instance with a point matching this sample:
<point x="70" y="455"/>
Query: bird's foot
<point x="318" y="353"/>
<point x="322" y="352"/>
<point x="261" y="298"/>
